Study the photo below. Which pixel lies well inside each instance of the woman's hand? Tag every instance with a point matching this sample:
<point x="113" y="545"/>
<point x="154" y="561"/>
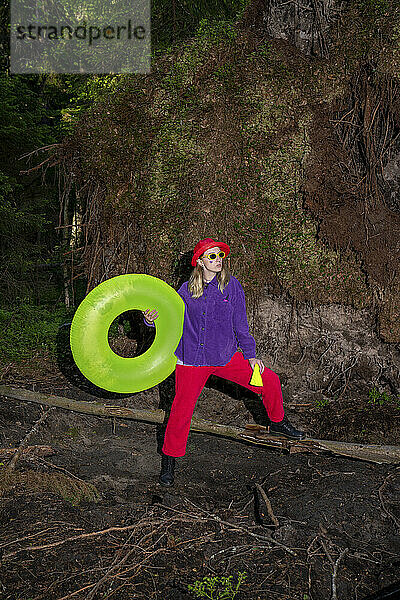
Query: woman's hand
<point x="259" y="362"/>
<point x="150" y="315"/>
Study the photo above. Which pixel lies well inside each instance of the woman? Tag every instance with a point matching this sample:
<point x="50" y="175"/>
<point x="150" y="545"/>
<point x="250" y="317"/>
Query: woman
<point x="215" y="325"/>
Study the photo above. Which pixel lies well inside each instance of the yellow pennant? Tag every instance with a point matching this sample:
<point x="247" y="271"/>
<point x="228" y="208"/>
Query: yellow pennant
<point x="256" y="378"/>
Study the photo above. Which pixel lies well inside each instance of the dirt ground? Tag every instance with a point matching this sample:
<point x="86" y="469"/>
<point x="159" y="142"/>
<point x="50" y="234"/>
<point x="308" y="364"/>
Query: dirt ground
<point x="90" y="520"/>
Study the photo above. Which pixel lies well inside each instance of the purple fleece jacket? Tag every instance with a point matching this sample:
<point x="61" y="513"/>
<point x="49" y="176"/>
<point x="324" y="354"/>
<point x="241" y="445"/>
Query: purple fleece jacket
<point x="215" y="325"/>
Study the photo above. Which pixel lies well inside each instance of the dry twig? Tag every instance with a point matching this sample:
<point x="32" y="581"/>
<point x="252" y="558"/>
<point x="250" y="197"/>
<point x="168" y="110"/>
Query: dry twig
<point x="268" y="504"/>
<point x="335" y="566"/>
<point x="116" y="564"/>
<point x="72" y="539"/>
<point x="13" y="461"/>
<point x="213" y="517"/>
<point x="335" y="571"/>
<point x="383" y="503"/>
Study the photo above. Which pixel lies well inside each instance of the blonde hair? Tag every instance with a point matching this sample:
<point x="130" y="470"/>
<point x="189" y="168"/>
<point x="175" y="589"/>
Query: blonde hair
<point x="196" y="281"/>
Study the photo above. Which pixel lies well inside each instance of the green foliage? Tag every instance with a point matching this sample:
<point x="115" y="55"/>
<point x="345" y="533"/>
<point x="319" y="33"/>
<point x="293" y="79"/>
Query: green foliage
<point x="377" y="398"/>
<point x="83" y="92"/>
<point x="174" y="22"/>
<point x="22" y="108"/>
<point x="376" y="29"/>
<point x="28" y="210"/>
<point x="39" y="110"/>
<point x="26" y="329"/>
<point x="322" y="402"/>
<point x="374" y="8"/>
<point x="217" y="588"/>
<point x="216" y="31"/>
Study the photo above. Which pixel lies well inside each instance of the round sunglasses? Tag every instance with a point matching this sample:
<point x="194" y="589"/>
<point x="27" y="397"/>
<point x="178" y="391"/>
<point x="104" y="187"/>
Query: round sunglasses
<point x="213" y="255"/>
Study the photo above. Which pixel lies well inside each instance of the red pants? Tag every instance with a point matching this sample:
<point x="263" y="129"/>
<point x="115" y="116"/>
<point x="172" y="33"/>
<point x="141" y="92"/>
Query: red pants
<point x="189" y="382"/>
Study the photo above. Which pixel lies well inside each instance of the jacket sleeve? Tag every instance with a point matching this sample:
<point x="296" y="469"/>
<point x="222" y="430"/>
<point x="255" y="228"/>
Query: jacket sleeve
<point x="148" y="324"/>
<point x="240" y="325"/>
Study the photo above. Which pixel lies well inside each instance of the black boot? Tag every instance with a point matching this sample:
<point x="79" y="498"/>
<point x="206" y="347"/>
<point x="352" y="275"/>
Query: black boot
<point x="167" y="470"/>
<point x="286" y="429"/>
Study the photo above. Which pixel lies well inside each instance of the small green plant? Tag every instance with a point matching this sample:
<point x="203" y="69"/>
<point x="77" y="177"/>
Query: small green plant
<point x="217" y="588"/>
<point x="322" y="402"/>
<point x="73" y="433"/>
<point x="382" y="399"/>
<point x="374" y="396"/>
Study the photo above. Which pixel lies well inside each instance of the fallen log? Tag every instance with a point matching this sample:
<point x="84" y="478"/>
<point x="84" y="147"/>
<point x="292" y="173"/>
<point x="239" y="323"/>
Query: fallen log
<point x="6" y="453"/>
<point x="252" y="433"/>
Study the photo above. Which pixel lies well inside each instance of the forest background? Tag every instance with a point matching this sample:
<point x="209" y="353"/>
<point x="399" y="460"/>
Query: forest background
<point x="37" y="113"/>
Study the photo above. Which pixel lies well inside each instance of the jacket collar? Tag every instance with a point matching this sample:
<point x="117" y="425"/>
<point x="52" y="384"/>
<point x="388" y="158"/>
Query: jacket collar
<point x="213" y="281"/>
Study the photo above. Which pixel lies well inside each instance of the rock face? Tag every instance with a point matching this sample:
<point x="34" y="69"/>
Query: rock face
<point x="304" y="24"/>
<point x="324" y="350"/>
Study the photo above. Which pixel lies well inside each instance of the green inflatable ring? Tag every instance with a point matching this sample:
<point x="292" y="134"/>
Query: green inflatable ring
<point x="93" y="317"/>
